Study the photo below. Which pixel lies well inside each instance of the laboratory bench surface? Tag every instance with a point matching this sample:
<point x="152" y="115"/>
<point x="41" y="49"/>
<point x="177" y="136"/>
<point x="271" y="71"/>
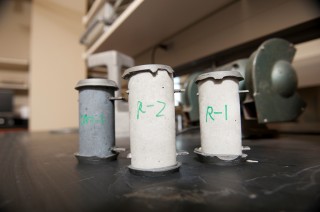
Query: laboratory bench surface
<point x="38" y="172"/>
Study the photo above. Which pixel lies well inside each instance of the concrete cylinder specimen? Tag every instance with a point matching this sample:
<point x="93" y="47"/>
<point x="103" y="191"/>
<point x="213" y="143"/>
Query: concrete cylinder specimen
<point x="152" y="113"/>
<point x="220" y="120"/>
<point x="96" y="119"/>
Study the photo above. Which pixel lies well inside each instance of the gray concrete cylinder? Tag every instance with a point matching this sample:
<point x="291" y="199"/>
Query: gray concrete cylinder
<point x="152" y="123"/>
<point x="220" y="122"/>
<point x="96" y="119"/>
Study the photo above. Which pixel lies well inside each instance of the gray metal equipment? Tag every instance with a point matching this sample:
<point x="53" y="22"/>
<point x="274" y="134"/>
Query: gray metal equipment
<point x="190" y="100"/>
<point x="96" y="120"/>
<point x="271" y="81"/>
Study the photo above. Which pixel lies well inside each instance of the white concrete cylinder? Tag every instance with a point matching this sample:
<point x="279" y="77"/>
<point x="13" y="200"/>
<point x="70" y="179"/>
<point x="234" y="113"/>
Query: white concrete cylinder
<point x="220" y="121"/>
<point x="152" y="113"/>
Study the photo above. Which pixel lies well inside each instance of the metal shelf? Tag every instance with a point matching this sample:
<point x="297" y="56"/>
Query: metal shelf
<point x="145" y="24"/>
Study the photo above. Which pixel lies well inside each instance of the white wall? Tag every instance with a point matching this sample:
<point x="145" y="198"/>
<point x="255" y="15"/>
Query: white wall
<point x="15" y="29"/>
<point x="307" y="63"/>
<point x="56" y="63"/>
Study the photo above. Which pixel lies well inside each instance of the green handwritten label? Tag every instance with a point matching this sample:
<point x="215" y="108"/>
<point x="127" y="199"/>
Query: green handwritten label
<point x="161" y="110"/>
<point x="86" y="119"/>
<point x="157" y="109"/>
<point x="140" y="109"/>
<point x="210" y="113"/>
<point x="226" y="112"/>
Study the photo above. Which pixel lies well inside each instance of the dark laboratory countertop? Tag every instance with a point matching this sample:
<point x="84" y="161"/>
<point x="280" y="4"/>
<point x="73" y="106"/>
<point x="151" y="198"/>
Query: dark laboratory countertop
<point x="38" y="172"/>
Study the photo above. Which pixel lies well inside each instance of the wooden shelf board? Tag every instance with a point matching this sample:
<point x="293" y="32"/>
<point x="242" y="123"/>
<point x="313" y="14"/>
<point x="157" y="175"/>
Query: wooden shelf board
<point x="14" y="63"/>
<point x="13" y="87"/>
<point x="145" y="23"/>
